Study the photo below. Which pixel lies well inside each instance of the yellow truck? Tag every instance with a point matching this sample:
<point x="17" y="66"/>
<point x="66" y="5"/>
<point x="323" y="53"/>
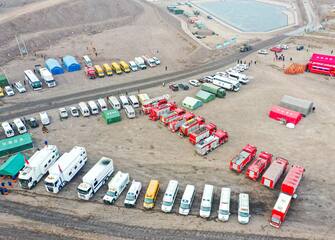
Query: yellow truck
<point x="2" y="94"/>
<point x="124" y="66"/>
<point x="151" y="194"/>
<point x="116" y="67"/>
<point x="98" y="70"/>
<point x="107" y="69"/>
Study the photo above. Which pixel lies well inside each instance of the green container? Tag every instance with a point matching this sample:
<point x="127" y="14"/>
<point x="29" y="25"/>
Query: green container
<point x="15" y="144"/>
<point x="205" y="96"/>
<point x="178" y="11"/>
<point x="211" y="88"/>
<point x="111" y="116"/>
<point x="3" y="80"/>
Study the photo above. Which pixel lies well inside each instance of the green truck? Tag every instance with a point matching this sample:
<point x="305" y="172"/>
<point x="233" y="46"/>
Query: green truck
<point x="211" y="88"/>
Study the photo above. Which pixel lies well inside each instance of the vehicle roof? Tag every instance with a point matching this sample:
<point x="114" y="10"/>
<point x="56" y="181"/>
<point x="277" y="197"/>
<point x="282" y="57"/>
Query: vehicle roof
<point x="35" y="159"/>
<point x="173" y="184"/>
<point x="98" y="169"/>
<point x="134" y="186"/>
<point x="101" y="101"/>
<point x="189" y="190"/>
<point x="283" y="202"/>
<point x="118" y="178"/>
<point x="208" y="191"/>
<point x="275" y="167"/>
<point x="17" y="121"/>
<point x="133" y="97"/>
<point x="129" y="108"/>
<point x="63" y="162"/>
<point x="244" y="200"/>
<point x="153" y="185"/>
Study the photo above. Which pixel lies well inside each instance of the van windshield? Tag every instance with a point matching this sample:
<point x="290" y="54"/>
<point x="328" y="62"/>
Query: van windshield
<point x="130" y="197"/>
<point x="185" y="205"/>
<point x="244" y="214"/>
<point x="148" y="200"/>
<point x="224" y="212"/>
<point x="165" y="203"/>
<point x="84" y="192"/>
<point x="275" y="220"/>
<point x="205" y="209"/>
<point x="111" y="194"/>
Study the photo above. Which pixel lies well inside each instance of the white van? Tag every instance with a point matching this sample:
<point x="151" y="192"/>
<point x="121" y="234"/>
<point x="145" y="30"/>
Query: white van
<point x="21" y="128"/>
<point x="134" y="101"/>
<point x="224" y="207"/>
<point x="132" y="194"/>
<point x="93" y="107"/>
<point x="84" y="109"/>
<point x="242" y="78"/>
<point x="124" y="101"/>
<point x="102" y="104"/>
<point x="187" y="200"/>
<point x="243" y="208"/>
<point x="206" y="202"/>
<point x="7" y="129"/>
<point x="87" y="61"/>
<point x="45" y="120"/>
<point x="130" y="112"/>
<point x="114" y="102"/>
<point x="170" y="196"/>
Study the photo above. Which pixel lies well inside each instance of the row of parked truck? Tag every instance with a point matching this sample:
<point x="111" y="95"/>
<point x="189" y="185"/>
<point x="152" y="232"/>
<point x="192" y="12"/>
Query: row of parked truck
<point x="273" y="170"/>
<point x="139" y="63"/>
<point x="61" y="170"/>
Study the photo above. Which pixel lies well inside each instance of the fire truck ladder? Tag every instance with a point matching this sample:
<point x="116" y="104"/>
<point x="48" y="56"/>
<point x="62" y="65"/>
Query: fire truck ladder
<point x="21" y="45"/>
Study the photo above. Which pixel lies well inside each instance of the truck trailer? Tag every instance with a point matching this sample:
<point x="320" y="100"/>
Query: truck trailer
<point x="247" y="154"/>
<point x="65" y="168"/>
<point x="37" y="166"/>
<point x="274" y="172"/>
<point x="202" y="133"/>
<point x="95" y="178"/>
<point x="212" y="142"/>
<point x="255" y="170"/>
<point x="211" y="88"/>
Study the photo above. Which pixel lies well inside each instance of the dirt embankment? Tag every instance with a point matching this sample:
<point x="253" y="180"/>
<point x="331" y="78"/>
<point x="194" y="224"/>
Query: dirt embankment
<point x="47" y="26"/>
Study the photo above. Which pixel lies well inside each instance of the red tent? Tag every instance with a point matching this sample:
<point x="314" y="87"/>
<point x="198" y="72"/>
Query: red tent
<point x="280" y="114"/>
<point x="322" y="64"/>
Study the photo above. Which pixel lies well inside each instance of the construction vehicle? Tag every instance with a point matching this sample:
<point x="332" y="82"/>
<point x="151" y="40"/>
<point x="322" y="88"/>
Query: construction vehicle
<point x="95" y="178"/>
<point x="247" y="154"/>
<point x="154" y="102"/>
<point x="98" y="71"/>
<point x="37" y="166"/>
<point x="116" y="67"/>
<point x="288" y="192"/>
<point x="171" y="116"/>
<point x="90" y="72"/>
<point x="255" y="170"/>
<point x="176" y="124"/>
<point x="158" y="111"/>
<point x="124" y="66"/>
<point x="202" y="133"/>
<point x="190" y="126"/>
<point x="212" y="142"/>
<point x="274" y="172"/>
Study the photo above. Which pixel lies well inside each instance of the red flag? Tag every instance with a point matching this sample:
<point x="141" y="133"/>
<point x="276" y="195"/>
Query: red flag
<point x="25" y="159"/>
<point x="60" y="169"/>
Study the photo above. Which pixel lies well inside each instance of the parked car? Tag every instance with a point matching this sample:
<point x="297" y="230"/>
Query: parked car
<point x="9" y="91"/>
<point x="194" y="82"/>
<point x="19" y="87"/>
<point x="32" y="122"/>
<point x="245" y="48"/>
<point x="2" y="94"/>
<point x="183" y="86"/>
<point x="63" y="113"/>
<point x="74" y="111"/>
<point x="174" y="87"/>
<point x="45" y="120"/>
<point x="300" y="47"/>
<point x="157" y="61"/>
<point x="263" y="51"/>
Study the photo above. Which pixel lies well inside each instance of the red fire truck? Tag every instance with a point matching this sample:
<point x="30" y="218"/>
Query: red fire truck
<point x="171" y="116"/>
<point x="90" y="72"/>
<point x="288" y="192"/>
<point x="154" y="102"/>
<point x="255" y="170"/>
<point x="212" y="142"/>
<point x="176" y="124"/>
<point x="190" y="126"/>
<point x="247" y="154"/>
<point x="156" y="112"/>
<point x="202" y="132"/>
<point x="274" y="172"/>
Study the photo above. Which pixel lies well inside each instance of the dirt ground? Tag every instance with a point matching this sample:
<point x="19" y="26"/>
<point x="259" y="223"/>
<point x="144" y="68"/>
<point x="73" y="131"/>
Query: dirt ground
<point x="135" y="146"/>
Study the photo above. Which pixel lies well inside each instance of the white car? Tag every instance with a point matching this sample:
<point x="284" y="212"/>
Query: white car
<point x="74" y="112"/>
<point x="19" y="87"/>
<point x="283" y="46"/>
<point x="9" y="91"/>
<point x="157" y="61"/>
<point x="194" y="82"/>
<point x="263" y="51"/>
<point x="63" y="113"/>
<point x="45" y="120"/>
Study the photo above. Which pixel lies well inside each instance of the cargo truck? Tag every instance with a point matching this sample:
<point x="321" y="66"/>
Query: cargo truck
<point x="274" y="172"/>
<point x="243" y="158"/>
<point x="211" y="88"/>
<point x="255" y="170"/>
<point x="65" y="168"/>
<point x="288" y="193"/>
<point x="212" y="142"/>
<point x="226" y="83"/>
<point x="37" y="166"/>
<point x="95" y="178"/>
<point x="202" y="133"/>
<point x="177" y="123"/>
<point x="158" y="111"/>
<point x="115" y="187"/>
<point x="171" y="116"/>
<point x="190" y="126"/>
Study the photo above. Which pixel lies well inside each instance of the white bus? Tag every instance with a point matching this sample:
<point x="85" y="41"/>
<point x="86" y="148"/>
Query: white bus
<point x="21" y="128"/>
<point x="187" y="200"/>
<point x="33" y="80"/>
<point x="170" y="196"/>
<point x="7" y="129"/>
<point x="206" y="202"/>
<point x="243" y="208"/>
